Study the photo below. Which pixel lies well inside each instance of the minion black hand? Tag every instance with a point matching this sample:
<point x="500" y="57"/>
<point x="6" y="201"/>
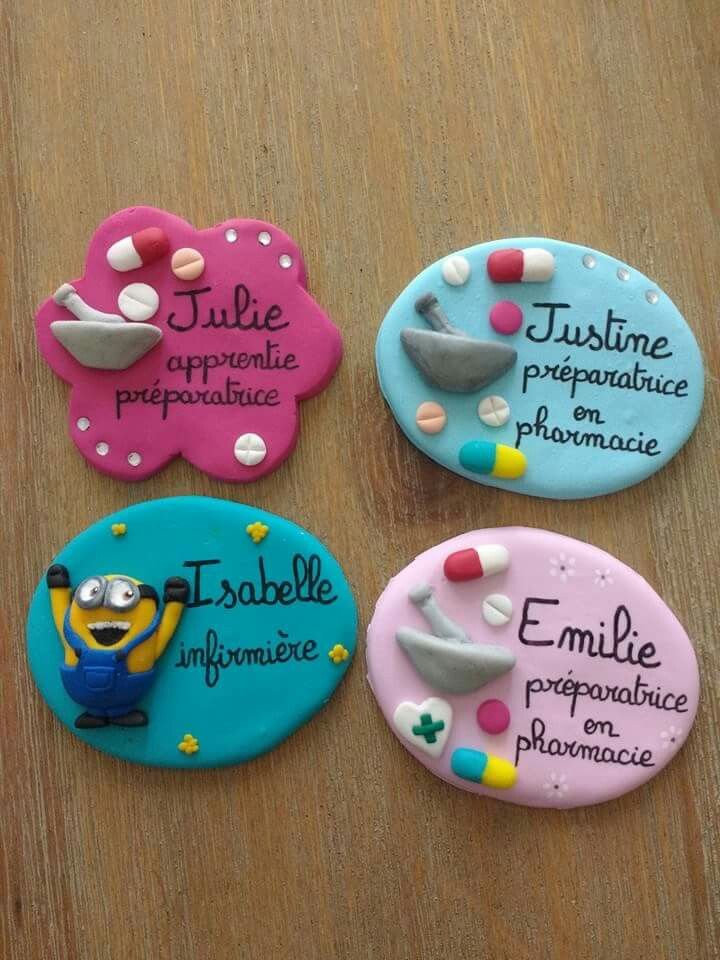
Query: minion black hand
<point x="177" y="589"/>
<point x="58" y="576"/>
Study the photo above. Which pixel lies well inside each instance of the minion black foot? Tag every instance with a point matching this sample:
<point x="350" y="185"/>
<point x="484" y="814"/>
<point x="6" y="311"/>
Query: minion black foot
<point x="88" y="721"/>
<point x="136" y="718"/>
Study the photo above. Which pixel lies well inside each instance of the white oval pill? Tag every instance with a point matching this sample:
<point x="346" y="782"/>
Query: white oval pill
<point x="138" y="301"/>
<point x="250" y="449"/>
<point x="494" y="411"/>
<point x="456" y="271"/>
<point x="497" y="609"/>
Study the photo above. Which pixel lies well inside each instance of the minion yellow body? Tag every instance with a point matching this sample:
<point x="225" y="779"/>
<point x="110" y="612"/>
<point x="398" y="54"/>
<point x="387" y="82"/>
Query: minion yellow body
<point x="112" y="633"/>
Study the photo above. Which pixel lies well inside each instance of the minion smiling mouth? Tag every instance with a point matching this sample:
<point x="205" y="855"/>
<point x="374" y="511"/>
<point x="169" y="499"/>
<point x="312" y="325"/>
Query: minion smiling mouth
<point x="108" y="632"/>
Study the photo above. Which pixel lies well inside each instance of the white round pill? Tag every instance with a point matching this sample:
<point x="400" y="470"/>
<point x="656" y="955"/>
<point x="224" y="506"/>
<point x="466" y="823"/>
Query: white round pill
<point x="456" y="271"/>
<point x="494" y="411"/>
<point x="250" y="449"/>
<point x="138" y="301"/>
<point x="497" y="609"/>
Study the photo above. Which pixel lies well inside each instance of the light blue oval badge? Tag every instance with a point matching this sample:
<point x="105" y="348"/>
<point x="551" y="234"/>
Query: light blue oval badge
<point x="542" y="367"/>
<point x="190" y="632"/>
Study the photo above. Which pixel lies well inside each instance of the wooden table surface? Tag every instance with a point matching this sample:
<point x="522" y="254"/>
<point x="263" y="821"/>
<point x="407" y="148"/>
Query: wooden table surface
<point x="381" y="136"/>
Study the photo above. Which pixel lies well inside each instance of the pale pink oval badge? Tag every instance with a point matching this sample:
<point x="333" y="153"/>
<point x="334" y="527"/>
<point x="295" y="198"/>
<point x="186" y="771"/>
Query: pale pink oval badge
<point x="186" y="342"/>
<point x="555" y="678"/>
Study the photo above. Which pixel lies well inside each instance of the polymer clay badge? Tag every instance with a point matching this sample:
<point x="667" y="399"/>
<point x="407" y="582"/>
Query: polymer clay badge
<point x="186" y="342"/>
<point x="539" y="366"/>
<point x="531" y="667"/>
<point x="220" y="631"/>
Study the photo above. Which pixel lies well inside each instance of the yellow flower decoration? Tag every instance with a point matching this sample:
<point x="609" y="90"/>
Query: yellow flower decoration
<point x="119" y="529"/>
<point x="189" y="745"/>
<point x="338" y="653"/>
<point x="257" y="531"/>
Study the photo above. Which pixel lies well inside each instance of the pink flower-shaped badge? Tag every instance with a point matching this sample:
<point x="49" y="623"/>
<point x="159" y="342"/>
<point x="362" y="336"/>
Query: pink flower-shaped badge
<point x="185" y="342"/>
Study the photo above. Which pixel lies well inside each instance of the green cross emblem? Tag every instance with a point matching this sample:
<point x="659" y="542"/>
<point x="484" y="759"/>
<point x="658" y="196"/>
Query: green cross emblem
<point x="428" y="728"/>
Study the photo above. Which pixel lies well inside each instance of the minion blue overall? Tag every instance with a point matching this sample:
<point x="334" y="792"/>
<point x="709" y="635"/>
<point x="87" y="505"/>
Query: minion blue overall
<point x="112" y="632"/>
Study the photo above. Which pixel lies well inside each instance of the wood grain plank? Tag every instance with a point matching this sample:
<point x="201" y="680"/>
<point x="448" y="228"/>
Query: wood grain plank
<point x="381" y="135"/>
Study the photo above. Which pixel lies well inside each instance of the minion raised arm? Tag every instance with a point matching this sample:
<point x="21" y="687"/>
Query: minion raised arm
<point x="112" y="633"/>
<point x="175" y="596"/>
<point x="58" y="581"/>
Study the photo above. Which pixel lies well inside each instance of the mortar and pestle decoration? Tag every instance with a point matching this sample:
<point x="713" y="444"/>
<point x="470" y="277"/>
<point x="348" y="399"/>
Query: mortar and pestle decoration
<point x="454" y="361"/>
<point x="450" y="359"/>
<point x="447" y="659"/>
<point x="104" y="341"/>
<point x="107" y="341"/>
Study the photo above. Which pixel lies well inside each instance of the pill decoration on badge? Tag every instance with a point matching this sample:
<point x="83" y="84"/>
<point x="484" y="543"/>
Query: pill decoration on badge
<point x="186" y="342"/>
<point x="531" y="667"/>
<point x="190" y="632"/>
<point x="542" y="367"/>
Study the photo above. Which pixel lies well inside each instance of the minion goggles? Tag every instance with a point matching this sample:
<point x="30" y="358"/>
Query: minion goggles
<point x="118" y="594"/>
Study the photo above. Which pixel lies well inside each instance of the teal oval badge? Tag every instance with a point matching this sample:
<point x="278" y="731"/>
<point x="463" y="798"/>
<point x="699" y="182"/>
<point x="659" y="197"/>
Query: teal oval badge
<point x="190" y="632"/>
<point x="542" y="367"/>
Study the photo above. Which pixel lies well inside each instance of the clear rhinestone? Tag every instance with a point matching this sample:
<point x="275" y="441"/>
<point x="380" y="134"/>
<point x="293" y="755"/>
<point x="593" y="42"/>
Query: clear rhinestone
<point x="83" y="424"/>
<point x="652" y="296"/>
<point x="623" y="273"/>
<point x="589" y="261"/>
<point x="102" y="449"/>
<point x="285" y="260"/>
<point x="231" y="235"/>
<point x="264" y="238"/>
<point x="134" y="459"/>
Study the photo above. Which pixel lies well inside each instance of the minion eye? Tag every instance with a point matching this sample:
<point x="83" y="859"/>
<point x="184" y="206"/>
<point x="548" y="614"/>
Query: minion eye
<point x="123" y="595"/>
<point x="90" y="593"/>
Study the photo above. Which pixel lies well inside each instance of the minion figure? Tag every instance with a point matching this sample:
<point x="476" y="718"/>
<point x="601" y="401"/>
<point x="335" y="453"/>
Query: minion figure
<point x="112" y="631"/>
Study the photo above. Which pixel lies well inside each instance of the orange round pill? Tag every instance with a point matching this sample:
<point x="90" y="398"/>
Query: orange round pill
<point x="187" y="263"/>
<point x="430" y="417"/>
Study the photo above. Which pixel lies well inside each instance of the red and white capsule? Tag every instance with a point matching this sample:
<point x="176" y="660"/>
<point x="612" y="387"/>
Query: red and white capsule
<point x="138" y="250"/>
<point x="476" y="562"/>
<point x="533" y="265"/>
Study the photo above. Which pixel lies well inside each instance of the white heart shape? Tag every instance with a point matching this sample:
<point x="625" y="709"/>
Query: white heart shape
<point x="407" y="720"/>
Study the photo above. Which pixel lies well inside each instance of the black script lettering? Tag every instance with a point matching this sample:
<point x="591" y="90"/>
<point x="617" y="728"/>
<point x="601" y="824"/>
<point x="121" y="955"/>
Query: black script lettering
<point x="195" y="310"/>
<point x="554" y="747"/>
<point x="527" y="622"/>
<point x="214" y="657"/>
<point x="197" y="600"/>
<point x="614" y="338"/>
<point x="543" y="337"/>
<point x="604" y="727"/>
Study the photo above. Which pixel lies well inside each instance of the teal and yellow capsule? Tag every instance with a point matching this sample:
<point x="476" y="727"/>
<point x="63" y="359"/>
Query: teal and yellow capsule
<point x="483" y="768"/>
<point x="497" y="459"/>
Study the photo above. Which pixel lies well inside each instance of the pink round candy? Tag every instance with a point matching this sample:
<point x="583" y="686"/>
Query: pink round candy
<point x="493" y="716"/>
<point x="506" y="317"/>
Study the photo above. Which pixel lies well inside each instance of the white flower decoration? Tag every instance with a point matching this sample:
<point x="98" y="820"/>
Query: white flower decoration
<point x="556" y="786"/>
<point x="603" y="578"/>
<point x="670" y="736"/>
<point x="562" y="567"/>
